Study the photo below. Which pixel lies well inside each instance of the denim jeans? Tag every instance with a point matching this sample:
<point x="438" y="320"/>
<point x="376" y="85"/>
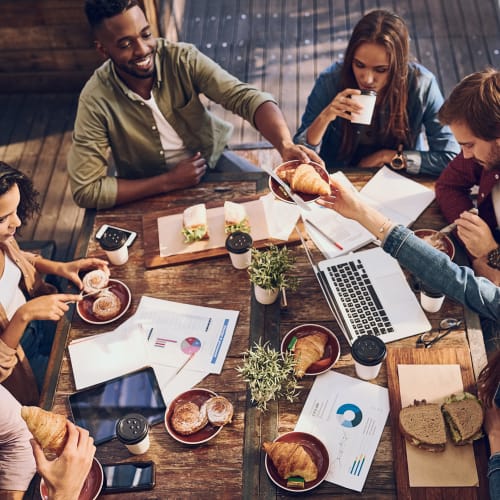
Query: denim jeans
<point x="494" y="476"/>
<point x="37" y="342"/>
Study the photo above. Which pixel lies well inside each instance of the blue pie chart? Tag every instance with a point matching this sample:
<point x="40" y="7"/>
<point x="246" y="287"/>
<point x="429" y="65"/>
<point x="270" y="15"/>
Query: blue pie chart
<point x="349" y="415"/>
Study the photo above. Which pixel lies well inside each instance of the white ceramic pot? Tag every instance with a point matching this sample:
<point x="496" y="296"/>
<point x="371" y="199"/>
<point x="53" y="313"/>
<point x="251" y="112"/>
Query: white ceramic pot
<point x="264" y="296"/>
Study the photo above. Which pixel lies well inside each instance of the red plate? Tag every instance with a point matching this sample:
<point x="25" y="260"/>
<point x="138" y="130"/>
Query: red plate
<point x="292" y="165"/>
<point x="91" y="487"/>
<point x="445" y="241"/>
<point x="316" y="450"/>
<point x="197" y="396"/>
<point x="332" y="348"/>
<point x="120" y="289"/>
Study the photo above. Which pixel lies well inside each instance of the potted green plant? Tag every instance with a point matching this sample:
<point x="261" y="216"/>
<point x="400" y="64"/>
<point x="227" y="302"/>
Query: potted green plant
<point x="269" y="374"/>
<point x="269" y="272"/>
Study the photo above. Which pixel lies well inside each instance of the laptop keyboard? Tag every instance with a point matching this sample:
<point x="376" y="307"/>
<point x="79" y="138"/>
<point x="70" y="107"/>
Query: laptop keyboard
<point x="365" y="313"/>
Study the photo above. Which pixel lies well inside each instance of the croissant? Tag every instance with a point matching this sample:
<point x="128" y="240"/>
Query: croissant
<point x="306" y="179"/>
<point x="308" y="350"/>
<point x="291" y="459"/>
<point x="48" y="428"/>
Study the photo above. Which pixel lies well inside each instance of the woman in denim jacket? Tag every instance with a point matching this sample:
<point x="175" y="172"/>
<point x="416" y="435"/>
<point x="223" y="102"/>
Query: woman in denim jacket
<point x="408" y="99"/>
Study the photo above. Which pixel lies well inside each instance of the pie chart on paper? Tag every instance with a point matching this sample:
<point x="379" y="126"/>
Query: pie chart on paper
<point x="349" y="415"/>
<point x="190" y="345"/>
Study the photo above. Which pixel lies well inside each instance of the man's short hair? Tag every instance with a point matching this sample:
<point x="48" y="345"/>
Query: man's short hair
<point x="475" y="102"/>
<point x="99" y="10"/>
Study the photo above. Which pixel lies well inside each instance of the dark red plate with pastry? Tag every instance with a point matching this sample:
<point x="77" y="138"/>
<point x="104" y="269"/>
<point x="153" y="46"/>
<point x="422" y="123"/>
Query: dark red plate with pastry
<point x="197" y="415"/>
<point x="106" y="306"/>
<point x="285" y="170"/>
<point x="297" y="452"/>
<point x="437" y="240"/>
<point x="320" y="351"/>
<point x="91" y="487"/>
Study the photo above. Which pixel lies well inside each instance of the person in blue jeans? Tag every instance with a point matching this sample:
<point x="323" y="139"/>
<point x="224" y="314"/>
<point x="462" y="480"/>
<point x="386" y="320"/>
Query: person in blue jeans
<point x="408" y="100"/>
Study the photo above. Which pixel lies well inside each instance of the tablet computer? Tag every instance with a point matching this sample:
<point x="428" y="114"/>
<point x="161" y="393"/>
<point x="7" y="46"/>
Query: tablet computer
<point x="99" y="407"/>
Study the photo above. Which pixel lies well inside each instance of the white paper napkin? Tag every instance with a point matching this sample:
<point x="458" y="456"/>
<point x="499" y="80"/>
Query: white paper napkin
<point x="281" y="217"/>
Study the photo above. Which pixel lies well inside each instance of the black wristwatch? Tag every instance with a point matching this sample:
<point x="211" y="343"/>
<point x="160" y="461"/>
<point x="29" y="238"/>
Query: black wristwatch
<point x="494" y="258"/>
<point x="398" y="161"/>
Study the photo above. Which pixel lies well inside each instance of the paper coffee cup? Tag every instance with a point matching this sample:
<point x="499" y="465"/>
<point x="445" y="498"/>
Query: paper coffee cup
<point x="368" y="352"/>
<point x="431" y="300"/>
<point x="239" y="247"/>
<point x="116" y="249"/>
<point x="367" y="99"/>
<point x="133" y="431"/>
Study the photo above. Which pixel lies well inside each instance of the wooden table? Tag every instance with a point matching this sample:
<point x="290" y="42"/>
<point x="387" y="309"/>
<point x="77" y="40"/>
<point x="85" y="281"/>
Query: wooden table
<point x="231" y="465"/>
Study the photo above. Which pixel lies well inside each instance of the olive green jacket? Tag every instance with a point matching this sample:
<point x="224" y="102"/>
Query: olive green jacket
<point x="110" y="117"/>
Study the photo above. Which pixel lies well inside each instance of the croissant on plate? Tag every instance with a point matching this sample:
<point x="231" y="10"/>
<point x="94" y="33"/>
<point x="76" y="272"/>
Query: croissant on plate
<point x="291" y="459"/>
<point x="308" y="350"/>
<point x="306" y="179"/>
<point x="48" y="428"/>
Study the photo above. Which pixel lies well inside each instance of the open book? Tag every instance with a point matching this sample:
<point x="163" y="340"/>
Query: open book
<point x="400" y="199"/>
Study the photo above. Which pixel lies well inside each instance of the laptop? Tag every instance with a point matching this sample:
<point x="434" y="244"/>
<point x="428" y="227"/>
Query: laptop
<point x="368" y="293"/>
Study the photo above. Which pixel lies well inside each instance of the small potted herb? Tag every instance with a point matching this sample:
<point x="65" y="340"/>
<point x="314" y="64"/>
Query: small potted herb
<point x="269" y="374"/>
<point x="269" y="272"/>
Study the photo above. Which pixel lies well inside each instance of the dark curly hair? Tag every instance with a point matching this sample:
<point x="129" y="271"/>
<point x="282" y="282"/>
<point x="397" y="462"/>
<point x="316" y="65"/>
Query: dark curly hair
<point x="98" y="10"/>
<point x="28" y="205"/>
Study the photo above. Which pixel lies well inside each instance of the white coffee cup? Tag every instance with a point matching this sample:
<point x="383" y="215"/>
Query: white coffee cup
<point x="116" y="249"/>
<point x="368" y="353"/>
<point x="239" y="247"/>
<point x="430" y="300"/>
<point x="133" y="431"/>
<point x="367" y="99"/>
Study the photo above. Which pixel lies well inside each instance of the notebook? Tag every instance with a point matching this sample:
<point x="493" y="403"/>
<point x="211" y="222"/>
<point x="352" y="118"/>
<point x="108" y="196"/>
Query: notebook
<point x="368" y="294"/>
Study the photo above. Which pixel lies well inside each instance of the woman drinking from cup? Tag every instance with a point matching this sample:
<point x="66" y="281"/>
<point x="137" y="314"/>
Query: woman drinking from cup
<point x="408" y="99"/>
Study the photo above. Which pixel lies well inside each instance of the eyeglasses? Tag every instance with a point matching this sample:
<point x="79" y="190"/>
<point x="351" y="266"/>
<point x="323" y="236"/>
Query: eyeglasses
<point x="446" y="326"/>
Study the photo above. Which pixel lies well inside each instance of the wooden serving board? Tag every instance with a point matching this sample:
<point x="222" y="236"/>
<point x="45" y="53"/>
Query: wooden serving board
<point x="433" y="356"/>
<point x="152" y="257"/>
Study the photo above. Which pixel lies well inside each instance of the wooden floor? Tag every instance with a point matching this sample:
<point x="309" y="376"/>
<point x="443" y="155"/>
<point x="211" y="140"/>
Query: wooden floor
<point x="278" y="45"/>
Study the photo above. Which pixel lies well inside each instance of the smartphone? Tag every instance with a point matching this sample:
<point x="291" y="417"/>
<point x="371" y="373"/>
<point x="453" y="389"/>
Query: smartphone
<point x="128" y="476"/>
<point x="112" y="232"/>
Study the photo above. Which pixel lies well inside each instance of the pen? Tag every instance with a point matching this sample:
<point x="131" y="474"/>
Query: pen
<point x="320" y="231"/>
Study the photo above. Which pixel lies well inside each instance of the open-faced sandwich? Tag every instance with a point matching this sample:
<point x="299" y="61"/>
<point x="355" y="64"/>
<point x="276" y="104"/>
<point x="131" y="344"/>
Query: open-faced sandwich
<point x="306" y="179"/>
<point x="422" y="425"/>
<point x="464" y="416"/>
<point x="194" y="223"/>
<point x="292" y="462"/>
<point x="235" y="218"/>
<point x="48" y="429"/>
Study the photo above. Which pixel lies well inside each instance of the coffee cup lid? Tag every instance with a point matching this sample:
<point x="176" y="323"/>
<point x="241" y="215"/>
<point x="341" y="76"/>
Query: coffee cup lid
<point x="368" y="92"/>
<point x="430" y="292"/>
<point x="112" y="242"/>
<point x="368" y="350"/>
<point x="132" y="428"/>
<point x="238" y="242"/>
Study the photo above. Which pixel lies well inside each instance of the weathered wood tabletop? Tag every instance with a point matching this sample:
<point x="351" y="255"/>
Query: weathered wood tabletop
<point x="232" y="464"/>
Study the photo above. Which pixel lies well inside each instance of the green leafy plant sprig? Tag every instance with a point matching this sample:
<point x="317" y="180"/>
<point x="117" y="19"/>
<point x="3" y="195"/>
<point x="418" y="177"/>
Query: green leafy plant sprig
<point x="270" y="269"/>
<point x="269" y="374"/>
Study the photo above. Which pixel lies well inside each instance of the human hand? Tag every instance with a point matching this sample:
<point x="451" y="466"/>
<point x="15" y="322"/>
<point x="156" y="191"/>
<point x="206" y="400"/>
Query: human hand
<point x="70" y="270"/>
<point x="343" y="200"/>
<point x="342" y="105"/>
<point x="475" y="234"/>
<point x="186" y="173"/>
<point x="377" y="159"/>
<point x="481" y="268"/>
<point x="46" y="307"/>
<point x="65" y="475"/>
<point x="299" y="152"/>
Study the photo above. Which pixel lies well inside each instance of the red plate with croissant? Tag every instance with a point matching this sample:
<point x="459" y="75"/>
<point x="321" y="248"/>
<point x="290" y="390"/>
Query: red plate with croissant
<point x="316" y="348"/>
<point x="314" y="187"/>
<point x="296" y="454"/>
<point x="108" y="306"/>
